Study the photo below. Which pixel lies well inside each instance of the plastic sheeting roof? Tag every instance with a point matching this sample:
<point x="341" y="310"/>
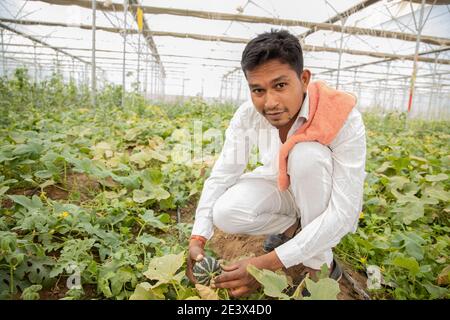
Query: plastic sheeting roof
<point x="195" y="66"/>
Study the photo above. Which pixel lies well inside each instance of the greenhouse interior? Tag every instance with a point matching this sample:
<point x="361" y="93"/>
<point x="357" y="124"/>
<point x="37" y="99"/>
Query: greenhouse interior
<point x="106" y="104"/>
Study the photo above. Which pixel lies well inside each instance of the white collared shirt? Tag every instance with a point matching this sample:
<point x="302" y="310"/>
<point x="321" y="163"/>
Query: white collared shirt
<point x="249" y="129"/>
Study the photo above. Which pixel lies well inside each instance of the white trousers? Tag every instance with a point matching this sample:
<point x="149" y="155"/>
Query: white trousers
<point x="255" y="206"/>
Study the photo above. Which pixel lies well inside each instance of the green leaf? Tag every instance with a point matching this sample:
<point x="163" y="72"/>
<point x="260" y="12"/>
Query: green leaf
<point x="141" y="158"/>
<point x="155" y="193"/>
<point x="435" y="291"/>
<point x="164" y="268"/>
<point x="435" y="178"/>
<point x="153" y="221"/>
<point x="409" y="213"/>
<point x="437" y="192"/>
<point x="148" y="240"/>
<point x="141" y="196"/>
<point x="273" y="283"/>
<point x="31" y="204"/>
<point x="43" y="174"/>
<point x="3" y="190"/>
<point x="206" y="293"/>
<point x="407" y="263"/>
<point x="397" y="182"/>
<point x="145" y="291"/>
<point x="31" y="292"/>
<point x="386" y="165"/>
<point x="324" y="289"/>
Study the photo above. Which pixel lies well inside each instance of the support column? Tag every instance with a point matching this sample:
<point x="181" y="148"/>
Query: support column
<point x="387" y="86"/>
<point x="416" y="55"/>
<point x="3" y="54"/>
<point x="343" y="20"/>
<point x="93" y="66"/>
<point x="138" y="63"/>
<point x="125" y="13"/>
<point x="35" y="62"/>
<point x="432" y="88"/>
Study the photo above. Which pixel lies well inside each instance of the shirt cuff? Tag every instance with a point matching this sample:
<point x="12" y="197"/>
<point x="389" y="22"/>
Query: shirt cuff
<point x="204" y="227"/>
<point x="288" y="253"/>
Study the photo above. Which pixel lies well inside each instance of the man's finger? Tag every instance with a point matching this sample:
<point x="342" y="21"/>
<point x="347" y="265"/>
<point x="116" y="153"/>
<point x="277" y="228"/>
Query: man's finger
<point x="196" y="253"/>
<point x="230" y="267"/>
<point x="227" y="276"/>
<point x="199" y="257"/>
<point x="227" y="284"/>
<point x="239" y="292"/>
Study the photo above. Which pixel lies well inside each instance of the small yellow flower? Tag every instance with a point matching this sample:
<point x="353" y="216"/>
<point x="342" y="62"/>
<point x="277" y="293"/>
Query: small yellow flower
<point x="361" y="215"/>
<point x="363" y="260"/>
<point x="64" y="215"/>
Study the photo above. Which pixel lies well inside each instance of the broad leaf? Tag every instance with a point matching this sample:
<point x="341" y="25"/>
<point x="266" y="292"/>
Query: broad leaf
<point x="273" y="283"/>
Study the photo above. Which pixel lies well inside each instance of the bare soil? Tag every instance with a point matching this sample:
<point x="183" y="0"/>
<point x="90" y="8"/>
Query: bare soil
<point x="232" y="247"/>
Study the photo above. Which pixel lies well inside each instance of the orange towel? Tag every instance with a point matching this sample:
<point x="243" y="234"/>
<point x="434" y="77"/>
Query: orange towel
<point x="328" y="110"/>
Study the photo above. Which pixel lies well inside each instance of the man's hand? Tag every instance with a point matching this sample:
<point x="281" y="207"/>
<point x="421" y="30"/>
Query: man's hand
<point x="196" y="253"/>
<point x="236" y="278"/>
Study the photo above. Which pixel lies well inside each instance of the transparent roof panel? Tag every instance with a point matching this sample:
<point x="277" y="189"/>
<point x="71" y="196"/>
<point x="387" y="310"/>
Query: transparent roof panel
<point x="192" y="66"/>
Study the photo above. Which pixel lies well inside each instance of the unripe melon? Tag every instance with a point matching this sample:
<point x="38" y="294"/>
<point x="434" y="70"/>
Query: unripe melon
<point x="205" y="270"/>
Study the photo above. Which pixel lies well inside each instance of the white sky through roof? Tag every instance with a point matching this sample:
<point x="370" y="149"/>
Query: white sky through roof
<point x="203" y="63"/>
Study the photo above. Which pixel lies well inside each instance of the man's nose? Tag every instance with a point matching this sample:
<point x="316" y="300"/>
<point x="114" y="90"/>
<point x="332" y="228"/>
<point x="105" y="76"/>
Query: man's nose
<point x="271" y="102"/>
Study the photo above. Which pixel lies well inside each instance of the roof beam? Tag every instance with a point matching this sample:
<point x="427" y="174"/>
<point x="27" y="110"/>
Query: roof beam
<point x="256" y="19"/>
<point x="147" y="35"/>
<point x="128" y="52"/>
<point x="45" y="44"/>
<point x="344" y="14"/>
<point x="227" y="39"/>
<point x="389" y="59"/>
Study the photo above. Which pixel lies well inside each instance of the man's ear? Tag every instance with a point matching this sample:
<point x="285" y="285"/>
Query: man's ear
<point x="305" y="77"/>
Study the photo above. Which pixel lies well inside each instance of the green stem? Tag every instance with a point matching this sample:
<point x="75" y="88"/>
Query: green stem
<point x="175" y="287"/>
<point x="65" y="173"/>
<point x="140" y="230"/>
<point x="11" y="279"/>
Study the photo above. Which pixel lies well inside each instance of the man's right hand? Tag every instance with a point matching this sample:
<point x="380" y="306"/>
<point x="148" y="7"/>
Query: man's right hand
<point x="196" y="253"/>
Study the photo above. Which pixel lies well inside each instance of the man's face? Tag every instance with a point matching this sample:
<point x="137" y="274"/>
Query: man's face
<point x="277" y="91"/>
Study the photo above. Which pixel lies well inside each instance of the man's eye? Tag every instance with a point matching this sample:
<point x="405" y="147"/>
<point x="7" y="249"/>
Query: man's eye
<point x="280" y="85"/>
<point x="257" y="90"/>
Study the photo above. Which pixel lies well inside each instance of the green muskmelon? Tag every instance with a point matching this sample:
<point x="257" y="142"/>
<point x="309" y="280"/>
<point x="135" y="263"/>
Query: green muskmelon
<point x="206" y="269"/>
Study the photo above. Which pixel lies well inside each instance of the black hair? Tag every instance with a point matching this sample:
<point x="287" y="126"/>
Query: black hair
<point x="276" y="44"/>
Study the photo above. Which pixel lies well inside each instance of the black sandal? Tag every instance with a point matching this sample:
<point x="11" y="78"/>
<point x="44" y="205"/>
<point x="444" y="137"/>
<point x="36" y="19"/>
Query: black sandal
<point x="275" y="240"/>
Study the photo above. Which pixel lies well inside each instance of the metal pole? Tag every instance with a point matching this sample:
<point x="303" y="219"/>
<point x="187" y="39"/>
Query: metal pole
<point x="432" y="88"/>
<point x="145" y="74"/>
<point x="404" y="91"/>
<point x="35" y="62"/>
<point x="387" y="86"/>
<point x="343" y="20"/>
<point x="57" y="63"/>
<point x="93" y="75"/>
<point x="182" y="88"/>
<point x="138" y="61"/>
<point x="439" y="96"/>
<point x="414" y="72"/>
<point x="86" y="81"/>
<point x="3" y="54"/>
<point x="73" y="70"/>
<point x="125" y="13"/>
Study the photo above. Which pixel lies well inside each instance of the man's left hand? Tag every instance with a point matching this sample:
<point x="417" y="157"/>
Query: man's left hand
<point x="236" y="278"/>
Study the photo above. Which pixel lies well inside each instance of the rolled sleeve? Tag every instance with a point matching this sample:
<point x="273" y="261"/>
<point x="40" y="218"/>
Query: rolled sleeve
<point x="228" y="168"/>
<point x="342" y="213"/>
